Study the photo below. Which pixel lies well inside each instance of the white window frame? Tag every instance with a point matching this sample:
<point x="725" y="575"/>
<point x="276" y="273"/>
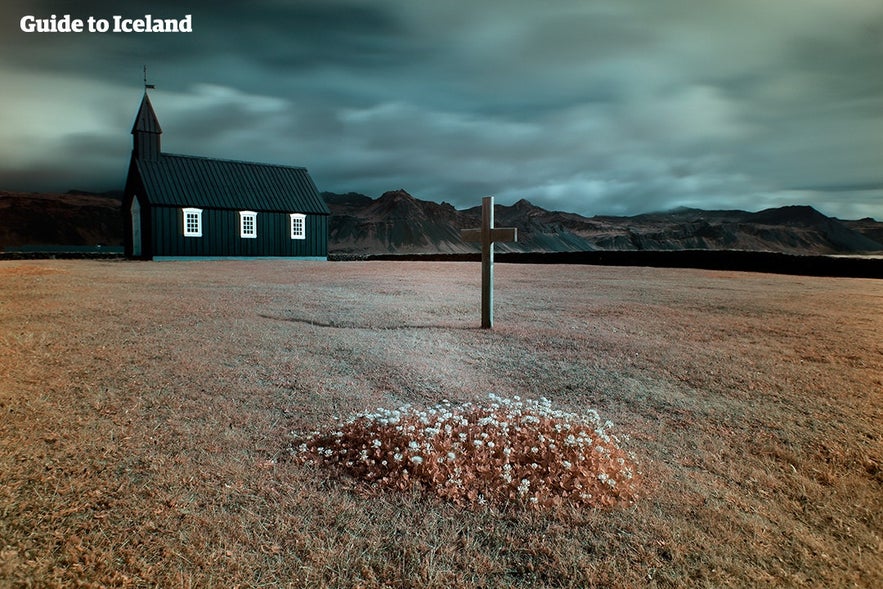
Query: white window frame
<point x="298" y="226"/>
<point x="244" y="218"/>
<point x="194" y="228"/>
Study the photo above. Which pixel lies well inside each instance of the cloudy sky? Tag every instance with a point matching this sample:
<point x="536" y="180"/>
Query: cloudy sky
<point x="596" y="107"/>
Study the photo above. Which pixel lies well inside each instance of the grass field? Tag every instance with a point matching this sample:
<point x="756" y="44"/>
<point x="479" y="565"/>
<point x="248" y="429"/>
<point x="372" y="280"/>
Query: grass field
<point x="149" y="412"/>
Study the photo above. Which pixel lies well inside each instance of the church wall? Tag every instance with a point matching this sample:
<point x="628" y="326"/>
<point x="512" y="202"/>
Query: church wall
<point x="221" y="235"/>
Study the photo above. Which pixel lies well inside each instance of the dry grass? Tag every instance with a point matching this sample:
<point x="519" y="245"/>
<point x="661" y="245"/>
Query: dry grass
<point x="147" y="411"/>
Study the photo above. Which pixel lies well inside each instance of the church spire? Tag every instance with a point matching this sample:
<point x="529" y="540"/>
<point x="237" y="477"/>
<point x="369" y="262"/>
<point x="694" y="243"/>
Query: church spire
<point x="146" y="131"/>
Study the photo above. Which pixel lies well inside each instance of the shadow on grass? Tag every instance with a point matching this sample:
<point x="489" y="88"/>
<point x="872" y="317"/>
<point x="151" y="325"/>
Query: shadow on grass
<point x="353" y="325"/>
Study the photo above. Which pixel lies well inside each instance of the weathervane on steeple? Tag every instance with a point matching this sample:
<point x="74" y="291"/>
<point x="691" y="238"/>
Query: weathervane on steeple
<point x="146" y="85"/>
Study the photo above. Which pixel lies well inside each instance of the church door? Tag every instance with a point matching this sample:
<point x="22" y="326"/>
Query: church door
<point x="136" y="227"/>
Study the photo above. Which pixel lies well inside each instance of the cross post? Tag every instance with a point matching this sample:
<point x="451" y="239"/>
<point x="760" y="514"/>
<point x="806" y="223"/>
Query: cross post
<point x="487" y="235"/>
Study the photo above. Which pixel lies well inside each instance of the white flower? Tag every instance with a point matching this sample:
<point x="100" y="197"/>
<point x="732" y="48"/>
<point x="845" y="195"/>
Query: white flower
<point x="524" y="487"/>
<point x="376" y="443"/>
<point x="416" y="459"/>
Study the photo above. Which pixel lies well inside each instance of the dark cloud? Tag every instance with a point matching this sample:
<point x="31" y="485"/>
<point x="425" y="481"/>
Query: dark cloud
<point x="598" y="107"/>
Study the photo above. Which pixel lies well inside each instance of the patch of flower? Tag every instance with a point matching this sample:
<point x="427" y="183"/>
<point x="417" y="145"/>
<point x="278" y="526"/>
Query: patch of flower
<point x="508" y="451"/>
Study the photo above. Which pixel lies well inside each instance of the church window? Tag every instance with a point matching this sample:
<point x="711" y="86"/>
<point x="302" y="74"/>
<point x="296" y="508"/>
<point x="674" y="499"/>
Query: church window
<point x="248" y="224"/>
<point x="298" y="226"/>
<point x="192" y="222"/>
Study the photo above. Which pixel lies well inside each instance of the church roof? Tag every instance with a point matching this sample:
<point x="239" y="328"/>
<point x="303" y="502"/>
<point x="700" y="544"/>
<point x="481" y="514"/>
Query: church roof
<point x="188" y="181"/>
<point x="146" y="120"/>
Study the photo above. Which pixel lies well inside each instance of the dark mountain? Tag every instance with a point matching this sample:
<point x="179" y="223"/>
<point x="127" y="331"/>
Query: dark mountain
<point x="350" y="200"/>
<point x="791" y="229"/>
<point x="817" y="226"/>
<point x="76" y="218"/>
<point x="395" y="222"/>
<point x="868" y="227"/>
<point x="398" y="222"/>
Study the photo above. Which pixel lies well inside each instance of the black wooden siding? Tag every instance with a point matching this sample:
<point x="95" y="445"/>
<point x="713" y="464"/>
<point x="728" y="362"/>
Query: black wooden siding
<point x="221" y="235"/>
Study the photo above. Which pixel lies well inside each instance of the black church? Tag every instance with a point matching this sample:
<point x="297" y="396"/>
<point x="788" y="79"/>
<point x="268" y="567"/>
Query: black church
<point x="183" y="207"/>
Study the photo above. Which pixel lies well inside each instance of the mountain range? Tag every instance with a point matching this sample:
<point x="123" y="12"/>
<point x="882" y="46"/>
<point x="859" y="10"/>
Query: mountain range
<point x="75" y="218"/>
<point x="397" y="222"/>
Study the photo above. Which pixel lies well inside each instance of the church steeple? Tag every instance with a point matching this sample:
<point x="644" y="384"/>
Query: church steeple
<point x="146" y="131"/>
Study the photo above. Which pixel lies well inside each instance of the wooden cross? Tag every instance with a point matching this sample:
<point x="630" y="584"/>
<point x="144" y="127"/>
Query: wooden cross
<point x="487" y="235"/>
